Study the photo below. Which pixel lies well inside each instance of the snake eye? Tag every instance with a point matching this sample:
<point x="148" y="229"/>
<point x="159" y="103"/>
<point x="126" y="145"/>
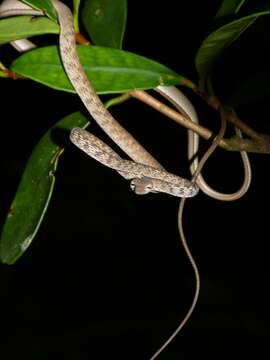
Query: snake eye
<point x="148" y="187"/>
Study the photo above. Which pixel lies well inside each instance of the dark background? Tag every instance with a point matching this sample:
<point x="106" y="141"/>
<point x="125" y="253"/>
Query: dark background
<point x="106" y="276"/>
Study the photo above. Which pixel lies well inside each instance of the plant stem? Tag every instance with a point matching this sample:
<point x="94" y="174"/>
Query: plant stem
<point x="2" y="67"/>
<point x="76" y="5"/>
<point x="215" y="103"/>
<point x="80" y="39"/>
<point x="258" y="144"/>
<point x="117" y="100"/>
<point x="171" y="113"/>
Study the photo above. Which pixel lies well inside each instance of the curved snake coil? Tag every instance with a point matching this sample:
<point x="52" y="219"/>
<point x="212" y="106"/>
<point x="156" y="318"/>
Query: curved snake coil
<point x="155" y="180"/>
<point x="145" y="178"/>
<point x="145" y="171"/>
<point x="77" y="76"/>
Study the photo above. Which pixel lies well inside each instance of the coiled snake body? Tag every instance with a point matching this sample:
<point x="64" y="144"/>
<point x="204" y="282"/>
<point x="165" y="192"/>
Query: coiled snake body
<point x="145" y="172"/>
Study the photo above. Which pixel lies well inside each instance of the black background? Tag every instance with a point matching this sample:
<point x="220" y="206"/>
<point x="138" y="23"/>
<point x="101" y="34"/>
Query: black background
<point x="106" y="275"/>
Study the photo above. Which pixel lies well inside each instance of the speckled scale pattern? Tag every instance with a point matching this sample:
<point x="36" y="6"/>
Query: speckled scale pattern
<point x="160" y="180"/>
<point x="144" y="165"/>
<point x="146" y="173"/>
<point x="88" y="95"/>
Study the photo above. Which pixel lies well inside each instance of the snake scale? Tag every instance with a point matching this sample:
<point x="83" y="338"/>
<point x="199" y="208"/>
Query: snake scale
<point x="145" y="172"/>
<point x="152" y="179"/>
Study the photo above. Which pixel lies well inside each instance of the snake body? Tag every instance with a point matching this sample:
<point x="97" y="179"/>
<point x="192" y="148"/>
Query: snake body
<point x="184" y="106"/>
<point x="86" y="92"/>
<point x="77" y="76"/>
<point x="153" y="179"/>
<point x="145" y="172"/>
<point x="148" y="178"/>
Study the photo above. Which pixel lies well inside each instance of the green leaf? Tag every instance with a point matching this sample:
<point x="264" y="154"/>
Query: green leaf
<point x="44" y="5"/>
<point x="25" y="26"/>
<point x="228" y="8"/>
<point x="105" y="21"/>
<point x="110" y="70"/>
<point x="214" y="45"/>
<point x="34" y="192"/>
<point x="76" y="6"/>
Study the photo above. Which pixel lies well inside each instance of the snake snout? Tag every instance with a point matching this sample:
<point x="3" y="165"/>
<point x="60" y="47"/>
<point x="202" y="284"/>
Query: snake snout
<point x="192" y="190"/>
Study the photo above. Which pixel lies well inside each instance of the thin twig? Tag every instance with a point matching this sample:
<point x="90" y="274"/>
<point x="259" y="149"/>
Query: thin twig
<point x="215" y="103"/>
<point x="171" y="113"/>
<point x="80" y="39"/>
<point x="234" y="119"/>
<point x="258" y="144"/>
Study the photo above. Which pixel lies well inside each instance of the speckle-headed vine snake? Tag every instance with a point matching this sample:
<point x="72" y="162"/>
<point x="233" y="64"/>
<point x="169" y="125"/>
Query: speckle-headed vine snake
<point x="145" y="172"/>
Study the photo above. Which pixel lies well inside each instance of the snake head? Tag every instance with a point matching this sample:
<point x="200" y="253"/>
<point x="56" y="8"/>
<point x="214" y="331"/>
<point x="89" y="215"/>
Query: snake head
<point x="187" y="191"/>
<point x="142" y="186"/>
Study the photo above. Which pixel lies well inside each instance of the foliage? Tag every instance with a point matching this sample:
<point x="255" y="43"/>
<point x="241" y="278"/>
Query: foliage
<point x="112" y="70"/>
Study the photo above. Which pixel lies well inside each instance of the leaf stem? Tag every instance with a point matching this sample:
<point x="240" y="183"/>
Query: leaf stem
<point x="80" y="39"/>
<point x="3" y="71"/>
<point x="2" y="67"/>
<point x="117" y="100"/>
<point x="76" y="6"/>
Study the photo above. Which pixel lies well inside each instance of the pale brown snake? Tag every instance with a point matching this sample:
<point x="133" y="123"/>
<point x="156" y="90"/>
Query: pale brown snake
<point x="146" y="173"/>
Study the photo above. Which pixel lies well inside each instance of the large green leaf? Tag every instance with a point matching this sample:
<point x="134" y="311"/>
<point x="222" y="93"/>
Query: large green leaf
<point x="25" y="26"/>
<point x="229" y="8"/>
<point x="34" y="192"/>
<point x="105" y="21"/>
<point x="110" y="70"/>
<point x="43" y="5"/>
<point x="213" y="46"/>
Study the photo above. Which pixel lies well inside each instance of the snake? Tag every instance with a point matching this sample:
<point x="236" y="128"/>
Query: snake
<point x="143" y="180"/>
<point x="145" y="172"/>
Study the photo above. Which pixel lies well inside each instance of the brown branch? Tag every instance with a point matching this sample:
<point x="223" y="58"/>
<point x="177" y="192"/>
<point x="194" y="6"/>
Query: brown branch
<point x="215" y="103"/>
<point x="234" y="119"/>
<point x="171" y="113"/>
<point x="12" y="75"/>
<point x="258" y="144"/>
<point x="80" y="39"/>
